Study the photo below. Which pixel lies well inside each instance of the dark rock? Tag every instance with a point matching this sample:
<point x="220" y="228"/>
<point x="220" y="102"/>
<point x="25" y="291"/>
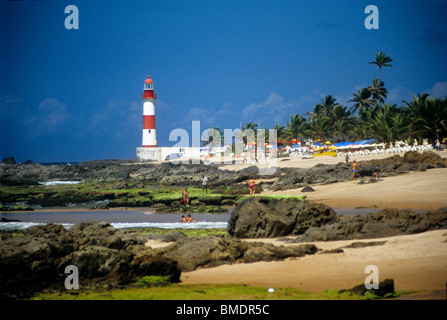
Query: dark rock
<point x="365" y="244"/>
<point x="307" y="189"/>
<point x="337" y="250"/>
<point x="259" y="217"/>
<point x="210" y="251"/>
<point x="104" y="256"/>
<point x="385" y="287"/>
<point x="385" y="223"/>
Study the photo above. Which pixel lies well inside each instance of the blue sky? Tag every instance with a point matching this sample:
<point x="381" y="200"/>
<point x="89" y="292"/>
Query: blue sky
<point x="74" y="95"/>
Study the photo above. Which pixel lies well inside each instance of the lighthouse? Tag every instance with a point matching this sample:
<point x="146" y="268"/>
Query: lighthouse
<point x="149" y="131"/>
<point x="150" y="151"/>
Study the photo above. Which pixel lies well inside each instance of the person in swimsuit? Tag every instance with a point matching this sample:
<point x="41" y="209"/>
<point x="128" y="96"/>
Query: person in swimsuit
<point x="251" y="186"/>
<point x="354" y="169"/>
<point x="185" y="196"/>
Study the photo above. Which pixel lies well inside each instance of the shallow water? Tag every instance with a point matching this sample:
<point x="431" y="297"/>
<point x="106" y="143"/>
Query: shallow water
<point x="139" y="218"/>
<point x="117" y="218"/>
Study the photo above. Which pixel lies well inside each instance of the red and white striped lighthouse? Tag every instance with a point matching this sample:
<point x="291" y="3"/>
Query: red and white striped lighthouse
<point x="149" y="136"/>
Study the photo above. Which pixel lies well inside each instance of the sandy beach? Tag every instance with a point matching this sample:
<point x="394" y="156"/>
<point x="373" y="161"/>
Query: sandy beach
<point x="415" y="262"/>
<point x="414" y="190"/>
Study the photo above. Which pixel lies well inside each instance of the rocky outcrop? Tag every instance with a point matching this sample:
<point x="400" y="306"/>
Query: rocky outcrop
<point x="169" y="174"/>
<point x="264" y="217"/>
<point x="121" y="171"/>
<point x="385" y="223"/>
<point x="385" y="289"/>
<point x="212" y="251"/>
<point x="105" y="257"/>
<point x="112" y="258"/>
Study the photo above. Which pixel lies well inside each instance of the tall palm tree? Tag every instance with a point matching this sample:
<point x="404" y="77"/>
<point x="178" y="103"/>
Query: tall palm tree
<point x="317" y="112"/>
<point x="209" y="135"/>
<point x="362" y="99"/>
<point x="430" y="119"/>
<point x="382" y="60"/>
<point x="281" y="132"/>
<point x="387" y="123"/>
<point x="378" y="91"/>
<point x="296" y="127"/>
<point x="323" y="108"/>
<point x="339" y="122"/>
<point x="319" y="128"/>
<point x="249" y="125"/>
<point x="327" y="104"/>
<point x="251" y="135"/>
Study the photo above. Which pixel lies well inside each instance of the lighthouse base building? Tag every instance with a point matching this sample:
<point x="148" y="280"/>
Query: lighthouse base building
<point x="145" y="154"/>
<point x="167" y="153"/>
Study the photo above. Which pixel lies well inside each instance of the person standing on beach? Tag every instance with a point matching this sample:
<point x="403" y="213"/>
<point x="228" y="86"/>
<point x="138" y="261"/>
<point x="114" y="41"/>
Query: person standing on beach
<point x="204" y="184"/>
<point x="354" y="169"/>
<point x="185" y="196"/>
<point x="251" y="186"/>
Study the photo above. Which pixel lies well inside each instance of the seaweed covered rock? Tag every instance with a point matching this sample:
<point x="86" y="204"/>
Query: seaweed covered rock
<point x="105" y="257"/>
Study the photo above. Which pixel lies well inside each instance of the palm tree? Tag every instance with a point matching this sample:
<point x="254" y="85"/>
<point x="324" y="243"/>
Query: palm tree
<point x="296" y="127"/>
<point x="249" y="136"/>
<point x="327" y="104"/>
<point x="429" y="119"/>
<point x="317" y="111"/>
<point x="382" y="60"/>
<point x="281" y="132"/>
<point x="378" y="91"/>
<point x="208" y="137"/>
<point x="339" y="122"/>
<point x="387" y="123"/>
<point x="362" y="99"/>
<point x="322" y="108"/>
<point x="249" y="125"/>
<point x="319" y="128"/>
